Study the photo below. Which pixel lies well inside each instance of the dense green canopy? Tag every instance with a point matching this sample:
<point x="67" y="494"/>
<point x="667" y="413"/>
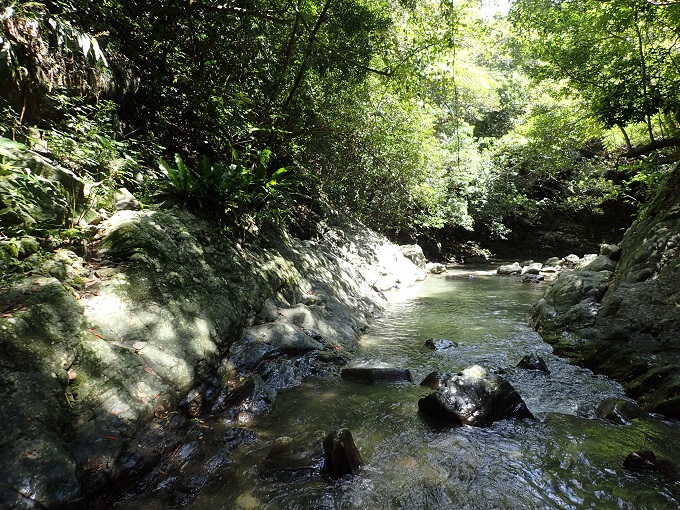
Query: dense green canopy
<point x="423" y="118"/>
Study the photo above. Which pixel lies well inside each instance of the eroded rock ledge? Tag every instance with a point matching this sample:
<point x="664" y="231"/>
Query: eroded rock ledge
<point x="626" y="324"/>
<point x="168" y="312"/>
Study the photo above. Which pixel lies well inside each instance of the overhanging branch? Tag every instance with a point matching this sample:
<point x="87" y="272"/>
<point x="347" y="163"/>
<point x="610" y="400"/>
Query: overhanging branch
<point x="642" y="150"/>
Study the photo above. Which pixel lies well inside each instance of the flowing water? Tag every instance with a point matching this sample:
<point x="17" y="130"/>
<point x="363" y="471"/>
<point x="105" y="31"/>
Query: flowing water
<point x="564" y="459"/>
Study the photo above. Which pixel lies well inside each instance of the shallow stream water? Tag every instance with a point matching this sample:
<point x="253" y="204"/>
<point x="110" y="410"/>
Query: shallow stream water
<point x="566" y="458"/>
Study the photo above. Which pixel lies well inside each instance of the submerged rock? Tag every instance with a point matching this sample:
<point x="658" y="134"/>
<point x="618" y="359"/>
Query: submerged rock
<point x="645" y="460"/>
<point x="295" y="454"/>
<point x="533" y="362"/>
<point x="377" y="374"/>
<point x="440" y="344"/>
<point x="474" y="397"/>
<point x="619" y="411"/>
<point x="248" y="398"/>
<point x="341" y="455"/>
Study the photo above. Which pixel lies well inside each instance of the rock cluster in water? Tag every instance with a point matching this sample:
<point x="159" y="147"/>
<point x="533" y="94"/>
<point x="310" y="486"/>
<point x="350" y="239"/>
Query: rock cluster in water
<point x="550" y="268"/>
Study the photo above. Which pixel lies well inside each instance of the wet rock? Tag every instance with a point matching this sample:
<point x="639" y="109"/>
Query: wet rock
<point x="645" y="460"/>
<point x="619" y="411"/>
<point x="199" y="459"/>
<point x="435" y="380"/>
<point x="341" y="455"/>
<point x="440" y="344"/>
<point x="474" y="397"/>
<point x="532" y="278"/>
<point x="285" y="372"/>
<point x="533" y="362"/>
<point x="282" y="338"/>
<point x="377" y="374"/>
<point x="509" y="269"/>
<point x="194" y="404"/>
<point x="250" y="397"/>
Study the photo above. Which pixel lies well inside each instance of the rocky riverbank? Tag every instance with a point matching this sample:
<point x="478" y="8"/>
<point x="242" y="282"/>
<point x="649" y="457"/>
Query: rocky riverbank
<point x="112" y="360"/>
<point x="625" y="322"/>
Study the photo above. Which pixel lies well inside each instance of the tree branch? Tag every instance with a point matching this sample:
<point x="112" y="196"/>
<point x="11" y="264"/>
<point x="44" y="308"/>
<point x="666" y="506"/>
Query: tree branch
<point x="642" y="150"/>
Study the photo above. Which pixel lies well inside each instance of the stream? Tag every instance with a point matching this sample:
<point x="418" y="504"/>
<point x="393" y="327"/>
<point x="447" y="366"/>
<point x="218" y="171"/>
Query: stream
<point x="566" y="458"/>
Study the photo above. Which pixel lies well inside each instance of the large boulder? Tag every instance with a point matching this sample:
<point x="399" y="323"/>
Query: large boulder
<point x="474" y="397"/>
<point x="627" y="325"/>
<point x="601" y="263"/>
<point x="415" y="254"/>
<point x="509" y="269"/>
<point x="572" y="300"/>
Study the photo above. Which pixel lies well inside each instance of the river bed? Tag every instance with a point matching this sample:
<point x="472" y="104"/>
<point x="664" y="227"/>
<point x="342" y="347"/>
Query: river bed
<point x="566" y="458"/>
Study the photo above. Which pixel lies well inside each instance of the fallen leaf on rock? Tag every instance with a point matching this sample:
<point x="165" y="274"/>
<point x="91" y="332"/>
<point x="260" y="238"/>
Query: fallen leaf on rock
<point x="32" y="454"/>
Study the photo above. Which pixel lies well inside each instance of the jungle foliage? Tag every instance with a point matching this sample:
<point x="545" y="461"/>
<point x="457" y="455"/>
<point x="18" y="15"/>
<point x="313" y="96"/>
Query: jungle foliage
<point x="417" y="117"/>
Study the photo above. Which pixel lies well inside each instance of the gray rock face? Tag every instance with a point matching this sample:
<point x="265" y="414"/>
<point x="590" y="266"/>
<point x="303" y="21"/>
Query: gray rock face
<point x="94" y="356"/>
<point x="601" y="263"/>
<point x="627" y="325"/>
<point x="474" y="397"/>
<point x="37" y="195"/>
<point x="572" y="300"/>
<point x="415" y="254"/>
